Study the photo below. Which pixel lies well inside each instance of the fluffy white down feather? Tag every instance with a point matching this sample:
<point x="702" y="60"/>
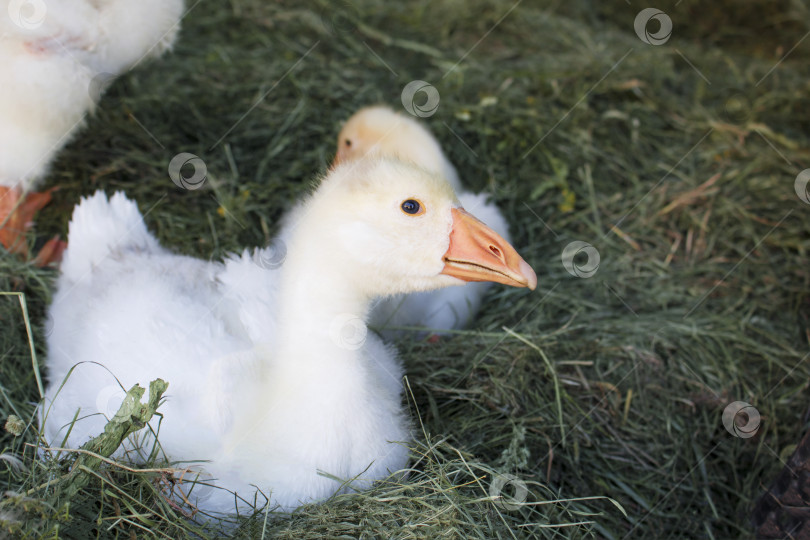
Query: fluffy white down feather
<point x="54" y="60"/>
<point x="266" y="386"/>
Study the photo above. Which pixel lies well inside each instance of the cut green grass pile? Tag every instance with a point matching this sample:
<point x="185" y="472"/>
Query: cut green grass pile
<point x="602" y="396"/>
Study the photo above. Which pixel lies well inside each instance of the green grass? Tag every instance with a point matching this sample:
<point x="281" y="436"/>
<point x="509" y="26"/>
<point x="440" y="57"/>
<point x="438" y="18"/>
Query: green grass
<point x="589" y="391"/>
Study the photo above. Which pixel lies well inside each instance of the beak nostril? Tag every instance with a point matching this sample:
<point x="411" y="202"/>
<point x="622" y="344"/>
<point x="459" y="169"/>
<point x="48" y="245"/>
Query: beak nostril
<point x="496" y="251"/>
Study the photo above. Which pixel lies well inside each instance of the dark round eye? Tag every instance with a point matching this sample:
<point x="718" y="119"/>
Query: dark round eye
<point x="348" y="142"/>
<point x="412" y="207"/>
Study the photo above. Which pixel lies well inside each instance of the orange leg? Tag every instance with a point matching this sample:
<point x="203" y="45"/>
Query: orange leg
<point x="17" y="211"/>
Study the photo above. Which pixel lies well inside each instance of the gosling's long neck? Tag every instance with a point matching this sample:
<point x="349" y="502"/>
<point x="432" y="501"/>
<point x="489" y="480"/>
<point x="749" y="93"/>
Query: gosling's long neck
<point x="314" y="367"/>
<point x="322" y="313"/>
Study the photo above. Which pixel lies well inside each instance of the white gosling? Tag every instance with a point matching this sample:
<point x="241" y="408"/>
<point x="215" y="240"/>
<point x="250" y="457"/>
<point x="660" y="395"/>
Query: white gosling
<point x="379" y="131"/>
<point x="273" y="381"/>
<point x="55" y="58"/>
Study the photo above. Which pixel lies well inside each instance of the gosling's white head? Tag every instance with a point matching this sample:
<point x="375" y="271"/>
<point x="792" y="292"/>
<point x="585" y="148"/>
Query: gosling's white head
<point x="379" y="131"/>
<point x="386" y="227"/>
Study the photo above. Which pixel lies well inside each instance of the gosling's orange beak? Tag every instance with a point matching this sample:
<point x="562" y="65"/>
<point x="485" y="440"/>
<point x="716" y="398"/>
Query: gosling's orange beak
<point x="477" y="253"/>
<point x="338" y="158"/>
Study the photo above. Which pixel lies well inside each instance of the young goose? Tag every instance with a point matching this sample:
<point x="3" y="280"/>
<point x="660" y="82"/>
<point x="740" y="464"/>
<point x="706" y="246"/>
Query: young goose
<point x="378" y="130"/>
<point x="55" y="60"/>
<point x="272" y="376"/>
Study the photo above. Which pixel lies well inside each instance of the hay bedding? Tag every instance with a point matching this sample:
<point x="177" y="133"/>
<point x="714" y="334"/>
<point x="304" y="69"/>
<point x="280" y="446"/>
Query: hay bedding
<point x="601" y="396"/>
